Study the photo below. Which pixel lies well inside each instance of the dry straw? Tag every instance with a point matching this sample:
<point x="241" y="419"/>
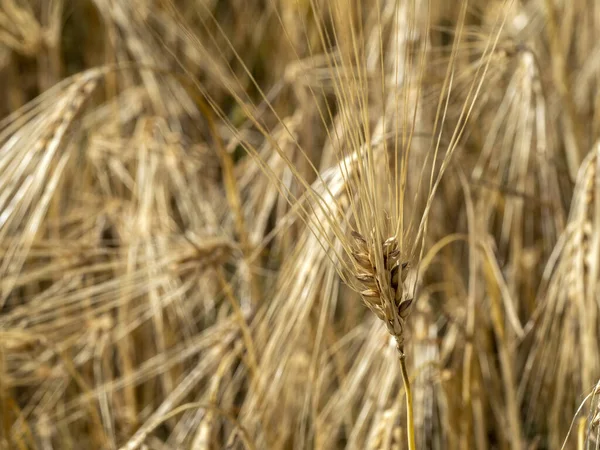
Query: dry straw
<point x="299" y="224"/>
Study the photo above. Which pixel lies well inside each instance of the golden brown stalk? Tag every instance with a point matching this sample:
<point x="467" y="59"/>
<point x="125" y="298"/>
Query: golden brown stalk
<point x="410" y="421"/>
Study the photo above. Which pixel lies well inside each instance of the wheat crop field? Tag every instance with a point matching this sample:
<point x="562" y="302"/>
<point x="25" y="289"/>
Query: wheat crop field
<point x="300" y="224"/>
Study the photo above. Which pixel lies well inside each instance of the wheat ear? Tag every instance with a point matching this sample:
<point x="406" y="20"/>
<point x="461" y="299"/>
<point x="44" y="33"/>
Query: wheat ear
<point x="381" y="276"/>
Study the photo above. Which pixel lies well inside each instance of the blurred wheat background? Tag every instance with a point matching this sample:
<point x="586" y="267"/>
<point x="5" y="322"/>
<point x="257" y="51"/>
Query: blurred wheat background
<point x="222" y="220"/>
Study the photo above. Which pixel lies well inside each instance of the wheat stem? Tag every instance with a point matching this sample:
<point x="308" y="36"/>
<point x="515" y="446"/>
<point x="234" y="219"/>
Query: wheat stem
<point x="410" y="420"/>
<point x="244" y="328"/>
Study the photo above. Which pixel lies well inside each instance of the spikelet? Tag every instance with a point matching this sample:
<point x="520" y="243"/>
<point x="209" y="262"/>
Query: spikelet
<point x="382" y="287"/>
<point x="35" y="158"/>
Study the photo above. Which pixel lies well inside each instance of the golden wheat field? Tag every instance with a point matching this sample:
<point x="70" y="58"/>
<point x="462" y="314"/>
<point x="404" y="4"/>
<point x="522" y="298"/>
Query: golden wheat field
<point x="300" y="224"/>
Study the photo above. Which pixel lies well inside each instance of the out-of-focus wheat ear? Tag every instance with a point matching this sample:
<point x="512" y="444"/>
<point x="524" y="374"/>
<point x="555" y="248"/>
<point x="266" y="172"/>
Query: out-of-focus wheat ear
<point x="175" y="397"/>
<point x="517" y="162"/>
<point x="49" y="59"/>
<point x="565" y="352"/>
<point x="32" y="32"/>
<point x="208" y="346"/>
<point x="571" y="124"/>
<point x="33" y="160"/>
<point x="152" y="158"/>
<point x="373" y="375"/>
<point x="425" y="359"/>
<point x="386" y="432"/>
<point x="19" y="28"/>
<point x="514" y="177"/>
<point x="466" y="107"/>
<point x="590" y="426"/>
<point x="290" y="335"/>
<point x="260" y="195"/>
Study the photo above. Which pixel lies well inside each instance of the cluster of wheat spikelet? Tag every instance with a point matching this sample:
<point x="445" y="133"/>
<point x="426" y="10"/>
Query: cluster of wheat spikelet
<point x="301" y="224"/>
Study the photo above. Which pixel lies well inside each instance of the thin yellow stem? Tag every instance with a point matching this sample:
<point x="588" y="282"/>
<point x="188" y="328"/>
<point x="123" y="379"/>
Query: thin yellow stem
<point x="410" y="419"/>
<point x="244" y="328"/>
<point x="581" y="433"/>
<point x="231" y="189"/>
